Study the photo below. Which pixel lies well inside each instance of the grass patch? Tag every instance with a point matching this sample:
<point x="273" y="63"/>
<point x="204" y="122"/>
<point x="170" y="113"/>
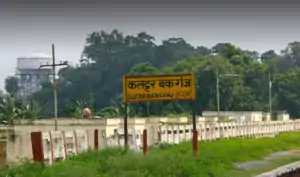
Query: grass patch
<point x="216" y="159"/>
<point x="273" y="165"/>
<point x="269" y="166"/>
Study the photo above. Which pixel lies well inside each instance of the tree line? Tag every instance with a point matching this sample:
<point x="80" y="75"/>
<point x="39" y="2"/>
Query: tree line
<point x="97" y="81"/>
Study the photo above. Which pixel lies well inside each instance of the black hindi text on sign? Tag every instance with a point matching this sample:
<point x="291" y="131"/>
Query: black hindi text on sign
<point x="161" y="83"/>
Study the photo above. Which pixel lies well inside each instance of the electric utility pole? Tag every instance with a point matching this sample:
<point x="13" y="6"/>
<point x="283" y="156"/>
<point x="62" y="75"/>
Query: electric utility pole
<point x="270" y="95"/>
<point x="54" y="65"/>
<point x="218" y="92"/>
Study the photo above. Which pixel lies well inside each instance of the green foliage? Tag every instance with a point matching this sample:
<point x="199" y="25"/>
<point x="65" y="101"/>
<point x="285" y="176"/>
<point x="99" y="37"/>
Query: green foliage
<point x="117" y="109"/>
<point x="216" y="159"/>
<point x="75" y="110"/>
<point x="107" y="56"/>
<point x="12" y="110"/>
<point x="31" y="110"/>
<point x="11" y="85"/>
<point x="109" y="111"/>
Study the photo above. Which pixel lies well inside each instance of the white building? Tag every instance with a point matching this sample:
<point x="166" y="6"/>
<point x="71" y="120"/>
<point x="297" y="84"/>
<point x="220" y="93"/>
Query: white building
<point x="248" y="115"/>
<point x="236" y="115"/>
<point x="281" y="115"/>
<point x="30" y="74"/>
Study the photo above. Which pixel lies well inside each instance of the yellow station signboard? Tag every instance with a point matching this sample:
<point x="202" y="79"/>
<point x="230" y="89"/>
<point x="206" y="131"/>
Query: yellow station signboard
<point x="159" y="88"/>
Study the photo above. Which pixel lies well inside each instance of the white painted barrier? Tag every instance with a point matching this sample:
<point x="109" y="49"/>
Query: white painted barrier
<point x="134" y="139"/>
<point x="210" y="131"/>
<point x="57" y="145"/>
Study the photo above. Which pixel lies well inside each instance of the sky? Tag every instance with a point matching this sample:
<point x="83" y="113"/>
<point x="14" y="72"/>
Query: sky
<point x="32" y="28"/>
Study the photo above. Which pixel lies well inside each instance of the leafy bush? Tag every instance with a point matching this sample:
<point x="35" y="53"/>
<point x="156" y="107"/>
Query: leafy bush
<point x="216" y="158"/>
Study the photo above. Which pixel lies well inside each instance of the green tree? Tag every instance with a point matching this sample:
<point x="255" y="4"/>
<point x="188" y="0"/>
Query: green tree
<point x="107" y="56"/>
<point x="287" y="89"/>
<point x="11" y="85"/>
<point x="10" y="109"/>
<point x="1" y="94"/>
<point x="268" y="55"/>
<point x="76" y="109"/>
<point x="31" y="110"/>
<point x="292" y="53"/>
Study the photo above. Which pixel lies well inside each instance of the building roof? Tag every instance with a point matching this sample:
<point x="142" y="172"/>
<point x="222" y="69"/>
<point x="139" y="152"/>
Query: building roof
<point x="36" y="55"/>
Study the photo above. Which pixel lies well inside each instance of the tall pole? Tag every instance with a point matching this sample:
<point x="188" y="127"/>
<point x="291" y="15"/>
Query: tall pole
<point x="54" y="87"/>
<point x="270" y="95"/>
<point x="194" y="115"/>
<point x="194" y="106"/>
<point x="125" y="126"/>
<point x="218" y="94"/>
<point x="53" y="65"/>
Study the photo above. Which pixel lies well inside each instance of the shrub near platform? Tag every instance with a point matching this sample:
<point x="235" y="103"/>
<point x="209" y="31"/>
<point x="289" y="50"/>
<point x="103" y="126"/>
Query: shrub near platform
<point x="215" y="158"/>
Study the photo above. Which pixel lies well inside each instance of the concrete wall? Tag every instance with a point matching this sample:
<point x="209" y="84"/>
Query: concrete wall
<point x="266" y="117"/>
<point x="256" y="116"/>
<point x="173" y="134"/>
<point x="237" y="115"/>
<point x="19" y="145"/>
<point x="283" y="117"/>
<point x="19" y="142"/>
<point x="225" y="113"/>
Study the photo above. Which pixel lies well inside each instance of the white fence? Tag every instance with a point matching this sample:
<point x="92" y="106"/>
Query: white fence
<point x="58" y="145"/>
<point x="211" y="131"/>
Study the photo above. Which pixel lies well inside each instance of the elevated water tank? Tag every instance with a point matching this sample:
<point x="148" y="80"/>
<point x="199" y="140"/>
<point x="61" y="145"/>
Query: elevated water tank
<point x="33" y="61"/>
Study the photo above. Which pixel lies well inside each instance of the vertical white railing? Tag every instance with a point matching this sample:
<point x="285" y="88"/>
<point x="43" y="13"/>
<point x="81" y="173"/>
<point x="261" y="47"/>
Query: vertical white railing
<point x="211" y="131"/>
<point x="60" y="144"/>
